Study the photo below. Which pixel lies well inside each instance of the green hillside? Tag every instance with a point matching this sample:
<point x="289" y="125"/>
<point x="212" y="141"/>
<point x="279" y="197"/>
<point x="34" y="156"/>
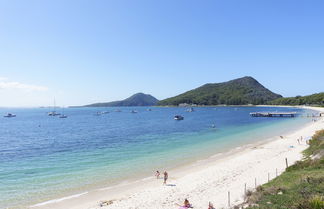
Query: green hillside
<point x="240" y="91"/>
<point x="138" y="99"/>
<point x="314" y="99"/>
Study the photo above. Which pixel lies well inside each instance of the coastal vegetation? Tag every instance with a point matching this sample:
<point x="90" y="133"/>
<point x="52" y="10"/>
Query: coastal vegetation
<point x="241" y="91"/>
<point x="314" y="100"/>
<point x="301" y="186"/>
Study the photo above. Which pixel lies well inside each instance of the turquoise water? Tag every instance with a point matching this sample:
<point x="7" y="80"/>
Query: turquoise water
<point x="45" y="157"/>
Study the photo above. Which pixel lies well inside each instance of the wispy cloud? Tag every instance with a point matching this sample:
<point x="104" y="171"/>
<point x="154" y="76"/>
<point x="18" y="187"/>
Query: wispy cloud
<point x="5" y="84"/>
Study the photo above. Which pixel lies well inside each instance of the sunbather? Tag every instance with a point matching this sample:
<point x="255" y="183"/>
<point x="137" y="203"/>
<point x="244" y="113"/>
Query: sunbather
<point x="185" y="205"/>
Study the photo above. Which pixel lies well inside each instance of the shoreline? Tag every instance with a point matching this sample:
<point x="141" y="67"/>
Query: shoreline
<point x="200" y="171"/>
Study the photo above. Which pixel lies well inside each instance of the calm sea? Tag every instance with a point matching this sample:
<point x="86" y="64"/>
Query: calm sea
<point x="44" y="157"/>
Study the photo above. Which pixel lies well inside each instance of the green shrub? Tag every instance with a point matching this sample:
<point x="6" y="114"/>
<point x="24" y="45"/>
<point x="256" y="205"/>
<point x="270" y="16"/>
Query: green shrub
<point x="316" y="202"/>
<point x="301" y="186"/>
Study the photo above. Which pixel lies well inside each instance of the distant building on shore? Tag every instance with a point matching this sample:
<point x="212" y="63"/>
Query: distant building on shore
<point x="183" y="105"/>
<point x="186" y="105"/>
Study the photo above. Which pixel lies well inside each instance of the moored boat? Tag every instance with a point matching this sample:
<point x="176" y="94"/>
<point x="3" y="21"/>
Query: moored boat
<point x="9" y="115"/>
<point x="53" y="113"/>
<point x="97" y="114"/>
<point x="190" y="109"/>
<point x="178" y="117"/>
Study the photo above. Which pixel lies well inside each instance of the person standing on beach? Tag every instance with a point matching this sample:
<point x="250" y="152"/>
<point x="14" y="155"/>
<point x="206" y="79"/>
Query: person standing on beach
<point x="166" y="175"/>
<point x="157" y="174"/>
<point x="210" y="206"/>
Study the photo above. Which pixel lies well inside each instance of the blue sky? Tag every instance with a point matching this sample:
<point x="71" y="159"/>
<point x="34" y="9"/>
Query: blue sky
<point x="92" y="51"/>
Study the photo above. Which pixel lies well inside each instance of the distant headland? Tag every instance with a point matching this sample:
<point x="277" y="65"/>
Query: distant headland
<point x="139" y="99"/>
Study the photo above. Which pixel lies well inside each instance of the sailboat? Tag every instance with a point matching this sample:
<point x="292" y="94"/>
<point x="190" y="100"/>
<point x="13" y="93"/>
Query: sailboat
<point x="53" y="113"/>
<point x="63" y="116"/>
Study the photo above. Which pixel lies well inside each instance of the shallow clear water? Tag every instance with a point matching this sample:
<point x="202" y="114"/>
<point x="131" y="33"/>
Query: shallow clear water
<point x="43" y="156"/>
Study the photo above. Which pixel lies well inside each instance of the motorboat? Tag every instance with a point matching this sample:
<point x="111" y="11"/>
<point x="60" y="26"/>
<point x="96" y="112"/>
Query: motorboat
<point x="178" y="117"/>
<point x="9" y="115"/>
<point x="190" y="109"/>
<point x="134" y="111"/>
<point x="53" y="113"/>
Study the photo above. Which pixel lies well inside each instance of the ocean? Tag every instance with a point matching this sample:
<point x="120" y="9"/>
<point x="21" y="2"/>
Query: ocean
<point x="45" y="157"/>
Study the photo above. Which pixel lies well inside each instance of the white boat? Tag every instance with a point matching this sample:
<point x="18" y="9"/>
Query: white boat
<point x="178" y="117"/>
<point x="190" y="109"/>
<point x="104" y="112"/>
<point x="134" y="111"/>
<point x="9" y="115"/>
<point x="117" y="110"/>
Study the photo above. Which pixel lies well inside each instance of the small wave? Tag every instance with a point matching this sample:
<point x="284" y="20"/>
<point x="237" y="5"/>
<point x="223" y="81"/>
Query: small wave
<point x="58" y="200"/>
<point x="124" y="183"/>
<point x="111" y="187"/>
<point x="147" y="178"/>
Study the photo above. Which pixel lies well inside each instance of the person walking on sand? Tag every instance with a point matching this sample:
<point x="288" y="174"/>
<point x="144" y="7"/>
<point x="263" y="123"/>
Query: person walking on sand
<point x="157" y="174"/>
<point x="165" y="177"/>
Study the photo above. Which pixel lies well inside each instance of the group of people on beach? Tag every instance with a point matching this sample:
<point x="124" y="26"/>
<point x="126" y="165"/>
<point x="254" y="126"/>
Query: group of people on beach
<point x="165" y="176"/>
<point x="299" y="140"/>
<point x="186" y="204"/>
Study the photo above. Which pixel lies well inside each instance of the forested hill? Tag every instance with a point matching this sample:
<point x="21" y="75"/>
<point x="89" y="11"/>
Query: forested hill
<point x="314" y="99"/>
<point x="241" y="91"/>
<point x="138" y="99"/>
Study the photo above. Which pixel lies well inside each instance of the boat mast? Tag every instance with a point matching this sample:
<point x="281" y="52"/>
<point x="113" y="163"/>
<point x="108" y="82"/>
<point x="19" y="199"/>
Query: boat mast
<point x="54" y="105"/>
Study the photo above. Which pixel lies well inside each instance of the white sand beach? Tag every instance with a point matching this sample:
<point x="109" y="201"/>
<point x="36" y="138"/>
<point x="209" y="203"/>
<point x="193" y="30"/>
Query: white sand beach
<point x="203" y="181"/>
